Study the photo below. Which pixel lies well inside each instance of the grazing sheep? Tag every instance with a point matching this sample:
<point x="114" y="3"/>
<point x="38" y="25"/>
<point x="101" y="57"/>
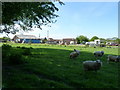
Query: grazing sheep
<point x="77" y="51"/>
<point x="98" y="53"/>
<point x="74" y="54"/>
<point x="92" y="65"/>
<point x="118" y="58"/>
<point x="113" y="58"/>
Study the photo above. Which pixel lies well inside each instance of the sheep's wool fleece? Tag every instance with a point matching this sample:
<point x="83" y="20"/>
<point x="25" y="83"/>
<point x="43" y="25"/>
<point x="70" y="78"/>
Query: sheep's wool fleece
<point x="77" y="51"/>
<point x="98" y="53"/>
<point x="110" y="57"/>
<point x="73" y="53"/>
<point x="92" y="64"/>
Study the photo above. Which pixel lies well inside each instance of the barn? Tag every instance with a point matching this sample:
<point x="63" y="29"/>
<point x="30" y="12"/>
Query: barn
<point x="53" y="41"/>
<point x="26" y="39"/>
<point x="67" y="41"/>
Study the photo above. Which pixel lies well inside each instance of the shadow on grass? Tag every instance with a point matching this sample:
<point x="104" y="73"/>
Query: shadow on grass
<point x="54" y="66"/>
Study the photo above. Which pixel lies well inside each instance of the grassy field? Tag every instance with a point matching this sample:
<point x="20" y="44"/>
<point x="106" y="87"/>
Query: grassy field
<point x="49" y="66"/>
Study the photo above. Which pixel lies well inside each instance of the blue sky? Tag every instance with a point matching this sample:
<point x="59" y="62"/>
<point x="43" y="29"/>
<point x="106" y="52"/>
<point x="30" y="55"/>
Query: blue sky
<point x="88" y="19"/>
<point x="83" y="18"/>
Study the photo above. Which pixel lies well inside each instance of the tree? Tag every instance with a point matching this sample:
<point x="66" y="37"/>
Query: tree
<point x="103" y="40"/>
<point x="4" y="39"/>
<point x="44" y="40"/>
<point x="81" y="39"/>
<point x="117" y="40"/>
<point x="114" y="38"/>
<point x="27" y="15"/>
<point x="93" y="38"/>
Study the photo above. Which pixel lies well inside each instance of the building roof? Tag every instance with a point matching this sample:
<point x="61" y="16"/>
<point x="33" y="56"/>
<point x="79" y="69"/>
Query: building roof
<point x="51" y="39"/>
<point x="25" y="36"/>
<point x="68" y="39"/>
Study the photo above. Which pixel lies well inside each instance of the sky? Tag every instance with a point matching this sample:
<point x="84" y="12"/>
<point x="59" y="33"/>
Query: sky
<point x="82" y="18"/>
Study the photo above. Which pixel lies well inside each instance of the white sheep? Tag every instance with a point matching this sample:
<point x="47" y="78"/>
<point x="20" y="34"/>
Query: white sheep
<point x="113" y="58"/>
<point x="98" y="53"/>
<point x="74" y="54"/>
<point x="92" y="65"/>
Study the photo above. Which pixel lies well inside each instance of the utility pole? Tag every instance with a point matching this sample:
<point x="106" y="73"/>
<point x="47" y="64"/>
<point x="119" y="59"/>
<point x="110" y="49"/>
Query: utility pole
<point x="47" y="34"/>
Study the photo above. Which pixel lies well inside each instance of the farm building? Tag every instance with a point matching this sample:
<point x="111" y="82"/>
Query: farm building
<point x="95" y="42"/>
<point x="98" y="41"/>
<point x="54" y="41"/>
<point x="67" y="41"/>
<point x="26" y="39"/>
<point x="64" y="41"/>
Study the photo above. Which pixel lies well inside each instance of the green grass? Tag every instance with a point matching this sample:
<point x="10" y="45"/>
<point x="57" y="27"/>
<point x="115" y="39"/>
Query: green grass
<point x="49" y="66"/>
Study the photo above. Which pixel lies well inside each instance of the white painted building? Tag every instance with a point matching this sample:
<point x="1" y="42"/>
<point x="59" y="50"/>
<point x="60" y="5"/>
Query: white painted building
<point x="98" y="41"/>
<point x="94" y="43"/>
<point x="88" y="43"/>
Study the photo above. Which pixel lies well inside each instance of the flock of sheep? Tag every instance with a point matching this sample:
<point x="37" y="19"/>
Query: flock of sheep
<point x="94" y="65"/>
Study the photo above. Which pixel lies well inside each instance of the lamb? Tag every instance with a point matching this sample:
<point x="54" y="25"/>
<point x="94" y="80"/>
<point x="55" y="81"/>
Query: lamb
<point x="92" y="65"/>
<point x="113" y="58"/>
<point x="98" y="53"/>
<point x="74" y="54"/>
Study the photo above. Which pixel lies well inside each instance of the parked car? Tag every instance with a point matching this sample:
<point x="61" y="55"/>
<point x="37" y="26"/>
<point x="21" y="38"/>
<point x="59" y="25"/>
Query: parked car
<point x="113" y="44"/>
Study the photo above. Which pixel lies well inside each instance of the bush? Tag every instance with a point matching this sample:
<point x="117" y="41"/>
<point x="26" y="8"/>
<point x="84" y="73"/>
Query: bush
<point x="102" y="45"/>
<point x="26" y="51"/>
<point x="5" y="55"/>
<point x="31" y="47"/>
<point x="6" y="50"/>
<point x="12" y="55"/>
<point x="16" y="58"/>
<point x="18" y="47"/>
<point x="6" y="47"/>
<point x="23" y="47"/>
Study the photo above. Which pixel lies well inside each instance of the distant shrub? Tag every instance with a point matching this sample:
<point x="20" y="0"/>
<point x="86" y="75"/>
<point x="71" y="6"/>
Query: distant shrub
<point x="23" y="47"/>
<point x="18" y="47"/>
<point x="6" y="46"/>
<point x="11" y="55"/>
<point x="16" y="58"/>
<point x="26" y="51"/>
<point x="5" y="54"/>
<point x="6" y="50"/>
<point x="31" y="47"/>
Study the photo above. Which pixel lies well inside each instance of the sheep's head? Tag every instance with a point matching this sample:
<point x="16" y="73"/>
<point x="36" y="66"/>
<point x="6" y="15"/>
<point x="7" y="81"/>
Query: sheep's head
<point x="77" y="51"/>
<point x="102" y="52"/>
<point x="99" y="63"/>
<point x="118" y="59"/>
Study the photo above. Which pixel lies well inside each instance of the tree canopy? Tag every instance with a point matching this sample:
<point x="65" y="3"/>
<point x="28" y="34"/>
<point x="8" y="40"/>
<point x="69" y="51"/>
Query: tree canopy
<point x="27" y="14"/>
<point x="93" y="38"/>
<point x="82" y="39"/>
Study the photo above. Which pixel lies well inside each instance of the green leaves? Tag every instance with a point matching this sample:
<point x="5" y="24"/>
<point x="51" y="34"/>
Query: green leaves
<point x="94" y="38"/>
<point x="29" y="13"/>
<point x="82" y="39"/>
